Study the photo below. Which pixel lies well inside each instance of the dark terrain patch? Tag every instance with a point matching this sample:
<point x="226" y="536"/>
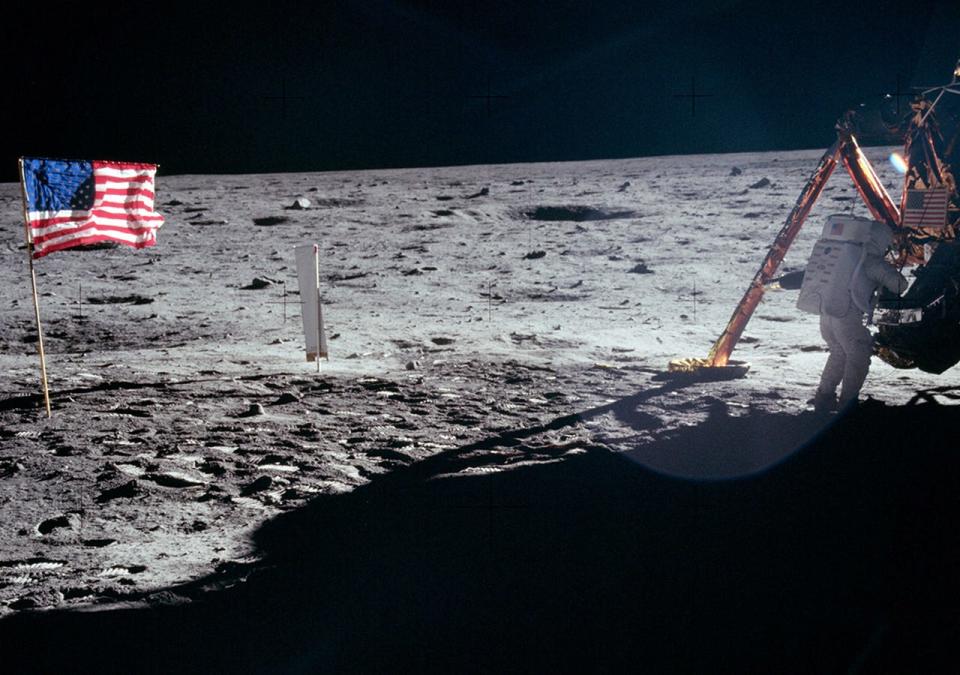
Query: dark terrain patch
<point x="268" y="221"/>
<point x="133" y="299"/>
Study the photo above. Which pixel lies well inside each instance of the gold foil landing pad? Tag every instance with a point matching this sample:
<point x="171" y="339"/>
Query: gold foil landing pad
<point x="701" y="370"/>
<point x="687" y="365"/>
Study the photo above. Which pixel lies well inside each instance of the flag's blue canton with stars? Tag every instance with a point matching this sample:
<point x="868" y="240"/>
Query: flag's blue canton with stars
<point x="58" y="185"/>
<point x="914" y="199"/>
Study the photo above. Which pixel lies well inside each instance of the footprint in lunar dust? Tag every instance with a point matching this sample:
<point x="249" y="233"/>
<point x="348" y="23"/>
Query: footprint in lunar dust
<point x="122" y="570"/>
<point x="37" y="564"/>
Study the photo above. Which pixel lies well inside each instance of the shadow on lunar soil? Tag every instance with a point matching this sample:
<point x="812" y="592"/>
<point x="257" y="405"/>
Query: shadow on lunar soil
<point x="35" y="401"/>
<point x="503" y="556"/>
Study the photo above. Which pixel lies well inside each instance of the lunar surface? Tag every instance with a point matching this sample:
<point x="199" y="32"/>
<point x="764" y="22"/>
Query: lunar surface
<point x="491" y="468"/>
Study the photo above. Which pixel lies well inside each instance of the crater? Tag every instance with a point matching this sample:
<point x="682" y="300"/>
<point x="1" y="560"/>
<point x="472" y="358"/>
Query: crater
<point x="578" y="214"/>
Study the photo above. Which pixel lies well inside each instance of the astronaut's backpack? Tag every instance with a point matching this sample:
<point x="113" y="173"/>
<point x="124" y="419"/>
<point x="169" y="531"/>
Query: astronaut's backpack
<point x="835" y="259"/>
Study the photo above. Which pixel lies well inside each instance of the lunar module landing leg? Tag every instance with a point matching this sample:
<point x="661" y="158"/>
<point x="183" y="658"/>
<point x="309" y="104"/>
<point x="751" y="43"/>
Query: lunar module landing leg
<point x="718" y="365"/>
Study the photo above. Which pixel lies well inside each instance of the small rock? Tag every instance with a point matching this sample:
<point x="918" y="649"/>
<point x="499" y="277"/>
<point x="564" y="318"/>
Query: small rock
<point x="212" y="467"/>
<point x="69" y="521"/>
<point x="254" y="410"/>
<point x="413" y="365"/>
<point x="173" y="479"/>
<point x="533" y="255"/>
<point x="257" y="284"/>
<point x="300" y="203"/>
<point x="24" y="603"/>
<point x="763" y="182"/>
<point x="127" y="490"/>
<point x="8" y="467"/>
<point x="442" y="341"/>
<point x="259" y="485"/>
<point x="623" y="187"/>
<point x="736" y="171"/>
<point x="483" y="193"/>
<point x="641" y="268"/>
<point x="74" y="593"/>
<point x="286" y="397"/>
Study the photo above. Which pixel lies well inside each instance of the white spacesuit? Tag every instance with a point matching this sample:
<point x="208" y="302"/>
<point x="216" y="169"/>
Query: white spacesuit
<point x="842" y="320"/>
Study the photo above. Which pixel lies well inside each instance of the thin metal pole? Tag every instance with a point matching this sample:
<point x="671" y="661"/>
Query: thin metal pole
<point x="316" y="268"/>
<point x="36" y="301"/>
<point x="490" y="303"/>
<point x="694" y="301"/>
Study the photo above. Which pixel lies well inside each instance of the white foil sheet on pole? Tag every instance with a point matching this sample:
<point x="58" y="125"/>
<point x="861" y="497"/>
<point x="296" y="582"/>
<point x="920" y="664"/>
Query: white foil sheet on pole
<point x="308" y="276"/>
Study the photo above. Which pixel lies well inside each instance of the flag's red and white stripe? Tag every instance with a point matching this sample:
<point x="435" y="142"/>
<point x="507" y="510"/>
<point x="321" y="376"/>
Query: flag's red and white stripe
<point x="926" y="208"/>
<point x="122" y="211"/>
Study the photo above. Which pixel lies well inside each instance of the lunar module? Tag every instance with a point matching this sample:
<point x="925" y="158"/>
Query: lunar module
<point x="921" y="329"/>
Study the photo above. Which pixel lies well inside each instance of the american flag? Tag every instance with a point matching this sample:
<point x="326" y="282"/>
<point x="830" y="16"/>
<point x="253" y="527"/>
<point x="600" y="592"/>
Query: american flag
<point x="925" y="208"/>
<point x="72" y="203"/>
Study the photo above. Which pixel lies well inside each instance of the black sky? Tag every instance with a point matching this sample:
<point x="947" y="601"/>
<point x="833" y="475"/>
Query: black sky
<point x="389" y="83"/>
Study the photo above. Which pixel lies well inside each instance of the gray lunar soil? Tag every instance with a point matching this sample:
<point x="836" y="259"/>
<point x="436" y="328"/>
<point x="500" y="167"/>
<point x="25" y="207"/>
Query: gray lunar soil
<point x="500" y="310"/>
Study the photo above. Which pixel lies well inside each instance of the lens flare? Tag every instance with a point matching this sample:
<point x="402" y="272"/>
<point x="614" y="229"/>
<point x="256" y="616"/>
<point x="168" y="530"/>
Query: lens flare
<point x="898" y="162"/>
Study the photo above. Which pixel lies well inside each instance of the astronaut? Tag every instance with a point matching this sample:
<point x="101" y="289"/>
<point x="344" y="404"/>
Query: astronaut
<point x="842" y="323"/>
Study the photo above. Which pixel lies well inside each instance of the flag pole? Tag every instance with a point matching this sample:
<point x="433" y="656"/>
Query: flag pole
<point x="33" y="281"/>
